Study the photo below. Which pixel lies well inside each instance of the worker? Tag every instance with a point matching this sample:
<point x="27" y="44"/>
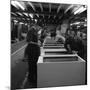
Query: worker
<point x="59" y="37"/>
<point x="79" y="46"/>
<point x="53" y="34"/>
<point x="32" y="53"/>
<point x="74" y="44"/>
<point x="70" y="42"/>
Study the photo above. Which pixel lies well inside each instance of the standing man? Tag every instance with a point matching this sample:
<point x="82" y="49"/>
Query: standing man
<point x="32" y="53"/>
<point x="70" y="42"/>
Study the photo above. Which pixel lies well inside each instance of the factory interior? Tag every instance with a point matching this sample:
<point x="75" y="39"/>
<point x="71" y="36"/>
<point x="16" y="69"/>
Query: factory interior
<point x="54" y="24"/>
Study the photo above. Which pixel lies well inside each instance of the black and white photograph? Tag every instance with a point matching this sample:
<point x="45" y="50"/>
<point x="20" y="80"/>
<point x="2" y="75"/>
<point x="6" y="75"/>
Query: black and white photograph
<point x="48" y="44"/>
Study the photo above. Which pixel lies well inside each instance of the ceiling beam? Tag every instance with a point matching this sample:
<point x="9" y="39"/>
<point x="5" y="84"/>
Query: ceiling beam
<point x="71" y="6"/>
<point x="33" y="7"/>
<point x="59" y="7"/>
<point x="50" y="7"/>
<point x="18" y="4"/>
<point x="41" y="7"/>
<point x="76" y="8"/>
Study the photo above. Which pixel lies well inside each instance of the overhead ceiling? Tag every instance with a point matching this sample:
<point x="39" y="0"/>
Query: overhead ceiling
<point x="26" y="11"/>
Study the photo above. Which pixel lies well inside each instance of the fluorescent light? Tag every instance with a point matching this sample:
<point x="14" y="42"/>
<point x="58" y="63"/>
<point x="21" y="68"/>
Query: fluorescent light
<point x="20" y="14"/>
<point x="71" y="24"/>
<point x="36" y="20"/>
<point x="80" y="10"/>
<point x="77" y="23"/>
<point x="31" y="15"/>
<point x="39" y="32"/>
<point x="31" y="5"/>
<point x="16" y="3"/>
<point x="78" y="26"/>
<point x="21" y="23"/>
<point x="13" y="3"/>
<point x="25" y="23"/>
<point x="13" y="13"/>
<point x="85" y="25"/>
<point x="15" y="21"/>
<point x="85" y="19"/>
<point x="76" y="7"/>
<point x="25" y="14"/>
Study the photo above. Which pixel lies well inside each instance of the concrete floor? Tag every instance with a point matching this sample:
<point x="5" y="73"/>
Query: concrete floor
<point x="19" y="70"/>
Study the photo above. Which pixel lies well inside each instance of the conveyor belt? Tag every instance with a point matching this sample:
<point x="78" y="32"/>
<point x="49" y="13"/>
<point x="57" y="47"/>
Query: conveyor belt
<point x="53" y="47"/>
<point x="54" y="44"/>
<point x="59" y="59"/>
<point x="55" y="53"/>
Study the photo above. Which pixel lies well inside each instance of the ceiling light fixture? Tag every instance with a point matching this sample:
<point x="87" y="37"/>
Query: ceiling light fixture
<point x="25" y="14"/>
<point x="16" y="4"/>
<point x="81" y="9"/>
<point x="31" y="15"/>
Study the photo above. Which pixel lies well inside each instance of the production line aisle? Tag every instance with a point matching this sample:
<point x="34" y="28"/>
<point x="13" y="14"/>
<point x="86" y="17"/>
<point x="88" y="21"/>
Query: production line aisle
<point x="55" y="67"/>
<point x="17" y="46"/>
<point x="18" y="68"/>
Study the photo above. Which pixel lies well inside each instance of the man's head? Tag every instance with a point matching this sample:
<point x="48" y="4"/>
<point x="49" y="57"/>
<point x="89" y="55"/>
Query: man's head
<point x="32" y="35"/>
<point x="78" y="34"/>
<point x="84" y="36"/>
<point x="72" y="33"/>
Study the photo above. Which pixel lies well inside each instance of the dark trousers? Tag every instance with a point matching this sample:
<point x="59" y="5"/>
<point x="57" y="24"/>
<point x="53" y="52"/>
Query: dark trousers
<point x="32" y="73"/>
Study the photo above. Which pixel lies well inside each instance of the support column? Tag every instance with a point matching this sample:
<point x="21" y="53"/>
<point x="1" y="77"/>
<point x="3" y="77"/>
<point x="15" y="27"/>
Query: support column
<point x="19" y="31"/>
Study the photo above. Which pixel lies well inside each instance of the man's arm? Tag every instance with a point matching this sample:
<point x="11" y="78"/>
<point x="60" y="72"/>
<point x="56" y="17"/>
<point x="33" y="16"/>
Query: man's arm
<point x="69" y="48"/>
